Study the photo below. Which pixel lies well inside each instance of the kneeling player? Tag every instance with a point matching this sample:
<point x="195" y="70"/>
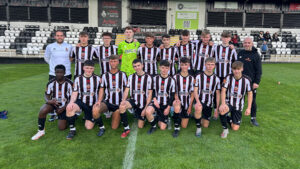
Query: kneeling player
<point x="233" y="94"/>
<point x="163" y="97"/>
<point x="140" y="87"/>
<point x="57" y="95"/>
<point x="112" y="86"/>
<point x="84" y="96"/>
<point x="207" y="84"/>
<point x="184" y="96"/>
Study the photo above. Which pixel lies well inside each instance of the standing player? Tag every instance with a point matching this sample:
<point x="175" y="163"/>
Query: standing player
<point x="149" y="55"/>
<point x="57" y="96"/>
<point x="225" y="56"/>
<point x="207" y="84"/>
<point x="234" y="89"/>
<point x="203" y="50"/>
<point x="105" y="52"/>
<point x="82" y="53"/>
<point x="184" y="96"/>
<point x="58" y="53"/>
<point x="84" y="96"/>
<point x="163" y="97"/>
<point x="252" y="68"/>
<point x="169" y="53"/>
<point x="112" y="87"/>
<point x="140" y="87"/>
<point x="186" y="49"/>
<point x="128" y="50"/>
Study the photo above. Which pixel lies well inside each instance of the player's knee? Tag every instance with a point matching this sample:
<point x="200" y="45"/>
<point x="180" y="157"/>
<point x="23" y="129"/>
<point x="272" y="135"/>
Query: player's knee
<point x="114" y="127"/>
<point x="205" y="125"/>
<point x="235" y="127"/>
<point x="184" y="126"/>
<point x="62" y="127"/>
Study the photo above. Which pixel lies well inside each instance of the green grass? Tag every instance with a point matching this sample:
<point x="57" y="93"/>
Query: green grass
<point x="275" y="144"/>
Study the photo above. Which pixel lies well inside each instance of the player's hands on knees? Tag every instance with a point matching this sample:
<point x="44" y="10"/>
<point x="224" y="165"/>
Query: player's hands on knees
<point x="216" y="113"/>
<point x="248" y="111"/>
<point x="255" y="85"/>
<point x="143" y="112"/>
<point x="60" y="110"/>
<point x="71" y="106"/>
<point x="222" y="108"/>
<point x="198" y="104"/>
<point x="156" y="103"/>
<point x="189" y="110"/>
<point x="167" y="111"/>
<point x="97" y="103"/>
<point x="53" y="102"/>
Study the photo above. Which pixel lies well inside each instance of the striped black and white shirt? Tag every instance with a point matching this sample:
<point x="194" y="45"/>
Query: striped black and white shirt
<point x="187" y="50"/>
<point x="114" y="86"/>
<point x="87" y="88"/>
<point x="104" y="54"/>
<point x="184" y="89"/>
<point x="202" y="52"/>
<point x="61" y="92"/>
<point x="164" y="89"/>
<point x="149" y="57"/>
<point x="236" y="91"/>
<point x="170" y="55"/>
<point x="207" y="86"/>
<point x="224" y="58"/>
<point x="81" y="54"/>
<point x="139" y="87"/>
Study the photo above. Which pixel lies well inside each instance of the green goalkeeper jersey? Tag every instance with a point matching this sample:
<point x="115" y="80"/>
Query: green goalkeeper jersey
<point x="129" y="53"/>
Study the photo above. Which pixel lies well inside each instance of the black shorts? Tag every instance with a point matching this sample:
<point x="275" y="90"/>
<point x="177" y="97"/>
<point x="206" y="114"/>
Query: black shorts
<point x="137" y="110"/>
<point x="206" y="112"/>
<point x="61" y="116"/>
<point x="88" y="110"/>
<point x="160" y="112"/>
<point x="236" y="115"/>
<point x="184" y="114"/>
<point x="110" y="107"/>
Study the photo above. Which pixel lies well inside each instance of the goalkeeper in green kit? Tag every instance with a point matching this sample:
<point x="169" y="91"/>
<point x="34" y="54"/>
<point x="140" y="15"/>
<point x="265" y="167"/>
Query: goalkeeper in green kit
<point x="128" y="50"/>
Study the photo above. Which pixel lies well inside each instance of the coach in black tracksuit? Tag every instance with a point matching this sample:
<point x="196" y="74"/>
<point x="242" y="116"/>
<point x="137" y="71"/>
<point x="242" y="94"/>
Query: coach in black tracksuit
<point x="252" y="68"/>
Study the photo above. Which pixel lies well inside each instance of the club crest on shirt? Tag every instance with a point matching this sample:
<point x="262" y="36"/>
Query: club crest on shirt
<point x="82" y="55"/>
<point x="248" y="59"/>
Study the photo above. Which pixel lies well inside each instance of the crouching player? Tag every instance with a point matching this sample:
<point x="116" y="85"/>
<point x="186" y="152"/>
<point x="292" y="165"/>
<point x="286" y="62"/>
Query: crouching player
<point x="235" y="87"/>
<point x="112" y="87"/>
<point x="207" y="84"/>
<point x="57" y="96"/>
<point x="184" y="96"/>
<point x="140" y="87"/>
<point x="163" y="97"/>
<point x="84" y="96"/>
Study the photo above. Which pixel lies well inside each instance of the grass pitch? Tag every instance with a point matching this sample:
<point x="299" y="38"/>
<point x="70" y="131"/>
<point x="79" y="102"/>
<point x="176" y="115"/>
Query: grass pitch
<point x="275" y="144"/>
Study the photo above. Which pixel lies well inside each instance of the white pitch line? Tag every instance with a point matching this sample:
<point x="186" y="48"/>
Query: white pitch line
<point x="130" y="150"/>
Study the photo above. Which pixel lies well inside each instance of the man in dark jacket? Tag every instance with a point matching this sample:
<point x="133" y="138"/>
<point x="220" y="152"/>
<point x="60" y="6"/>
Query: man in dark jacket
<point x="253" y="69"/>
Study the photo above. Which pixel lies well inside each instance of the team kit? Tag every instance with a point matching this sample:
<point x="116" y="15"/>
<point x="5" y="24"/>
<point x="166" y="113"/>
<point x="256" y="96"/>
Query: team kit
<point x="196" y="80"/>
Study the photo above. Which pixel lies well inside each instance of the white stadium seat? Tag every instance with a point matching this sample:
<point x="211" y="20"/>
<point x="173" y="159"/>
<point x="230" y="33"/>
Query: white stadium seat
<point x="24" y="51"/>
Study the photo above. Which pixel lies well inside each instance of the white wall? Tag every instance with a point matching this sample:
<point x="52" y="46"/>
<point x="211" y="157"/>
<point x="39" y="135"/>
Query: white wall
<point x="171" y="12"/>
<point x="93" y="13"/>
<point x="126" y="14"/>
